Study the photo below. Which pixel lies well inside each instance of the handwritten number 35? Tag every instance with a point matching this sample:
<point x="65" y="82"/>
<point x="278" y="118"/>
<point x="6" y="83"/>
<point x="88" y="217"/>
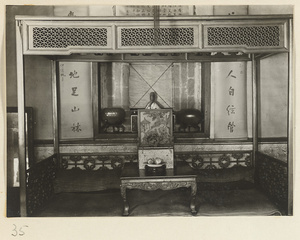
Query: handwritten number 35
<point x="20" y="232"/>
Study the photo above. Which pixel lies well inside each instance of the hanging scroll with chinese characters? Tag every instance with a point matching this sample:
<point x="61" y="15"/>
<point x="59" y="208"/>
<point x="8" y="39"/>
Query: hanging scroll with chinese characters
<point x="148" y="10"/>
<point x="76" y="121"/>
<point x="230" y="80"/>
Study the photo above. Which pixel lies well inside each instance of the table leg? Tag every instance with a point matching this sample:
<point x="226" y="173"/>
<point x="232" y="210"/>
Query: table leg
<point x="193" y="199"/>
<point x="125" y="203"/>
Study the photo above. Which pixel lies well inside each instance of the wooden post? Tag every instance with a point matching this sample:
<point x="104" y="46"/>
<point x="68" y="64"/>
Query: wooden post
<point x="54" y="108"/>
<point x="212" y="103"/>
<point x="95" y="99"/>
<point x="290" y="120"/>
<point x="21" y="119"/>
<point x="254" y="109"/>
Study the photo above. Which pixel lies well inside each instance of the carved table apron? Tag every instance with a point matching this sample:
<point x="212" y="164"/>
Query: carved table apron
<point x="159" y="182"/>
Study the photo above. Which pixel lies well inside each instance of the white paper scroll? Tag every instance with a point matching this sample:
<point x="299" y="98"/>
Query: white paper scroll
<point x="230" y="99"/>
<point x="76" y="117"/>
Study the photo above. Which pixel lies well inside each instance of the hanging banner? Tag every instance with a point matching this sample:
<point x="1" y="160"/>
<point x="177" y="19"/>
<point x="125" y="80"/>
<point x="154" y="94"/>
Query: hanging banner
<point x="230" y="80"/>
<point x="76" y="117"/>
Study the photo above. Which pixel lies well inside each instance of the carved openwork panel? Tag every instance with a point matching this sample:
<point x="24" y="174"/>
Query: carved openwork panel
<point x="63" y="37"/>
<point x="59" y="37"/>
<point x="248" y="36"/>
<point x="133" y="37"/>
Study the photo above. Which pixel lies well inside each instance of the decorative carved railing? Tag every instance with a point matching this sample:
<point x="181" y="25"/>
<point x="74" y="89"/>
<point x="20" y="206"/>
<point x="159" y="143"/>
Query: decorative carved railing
<point x="215" y="160"/>
<point x="197" y="160"/>
<point x="96" y="161"/>
<point x="40" y="183"/>
<point x="272" y="179"/>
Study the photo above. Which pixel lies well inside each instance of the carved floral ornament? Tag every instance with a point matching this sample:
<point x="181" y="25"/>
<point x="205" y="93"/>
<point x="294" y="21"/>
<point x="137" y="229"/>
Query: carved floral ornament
<point x="224" y="161"/>
<point x="197" y="162"/>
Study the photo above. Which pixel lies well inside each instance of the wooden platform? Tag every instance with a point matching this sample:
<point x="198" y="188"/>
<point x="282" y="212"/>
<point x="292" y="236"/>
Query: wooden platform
<point x="249" y="202"/>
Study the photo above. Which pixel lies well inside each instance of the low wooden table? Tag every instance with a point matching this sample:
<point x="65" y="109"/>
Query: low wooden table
<point x="134" y="178"/>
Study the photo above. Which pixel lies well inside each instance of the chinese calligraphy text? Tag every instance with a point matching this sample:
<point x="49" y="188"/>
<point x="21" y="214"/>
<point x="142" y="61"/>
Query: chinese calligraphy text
<point x="230" y="109"/>
<point x="74" y="89"/>
<point x="76" y="128"/>
<point x="73" y="74"/>
<point x="75" y="109"/>
<point x="231" y="91"/>
<point x="231" y="126"/>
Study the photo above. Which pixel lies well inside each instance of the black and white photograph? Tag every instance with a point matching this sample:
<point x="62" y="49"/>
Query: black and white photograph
<point x="148" y="112"/>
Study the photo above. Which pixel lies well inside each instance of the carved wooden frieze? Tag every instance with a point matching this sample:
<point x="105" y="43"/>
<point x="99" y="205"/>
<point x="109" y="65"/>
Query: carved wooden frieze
<point x="150" y="186"/>
<point x="174" y="34"/>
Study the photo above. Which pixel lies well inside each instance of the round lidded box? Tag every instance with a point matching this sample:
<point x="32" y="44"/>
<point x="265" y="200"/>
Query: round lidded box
<point x="155" y="169"/>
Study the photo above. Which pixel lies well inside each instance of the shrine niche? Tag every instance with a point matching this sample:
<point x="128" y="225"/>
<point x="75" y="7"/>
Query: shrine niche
<point x="210" y="83"/>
